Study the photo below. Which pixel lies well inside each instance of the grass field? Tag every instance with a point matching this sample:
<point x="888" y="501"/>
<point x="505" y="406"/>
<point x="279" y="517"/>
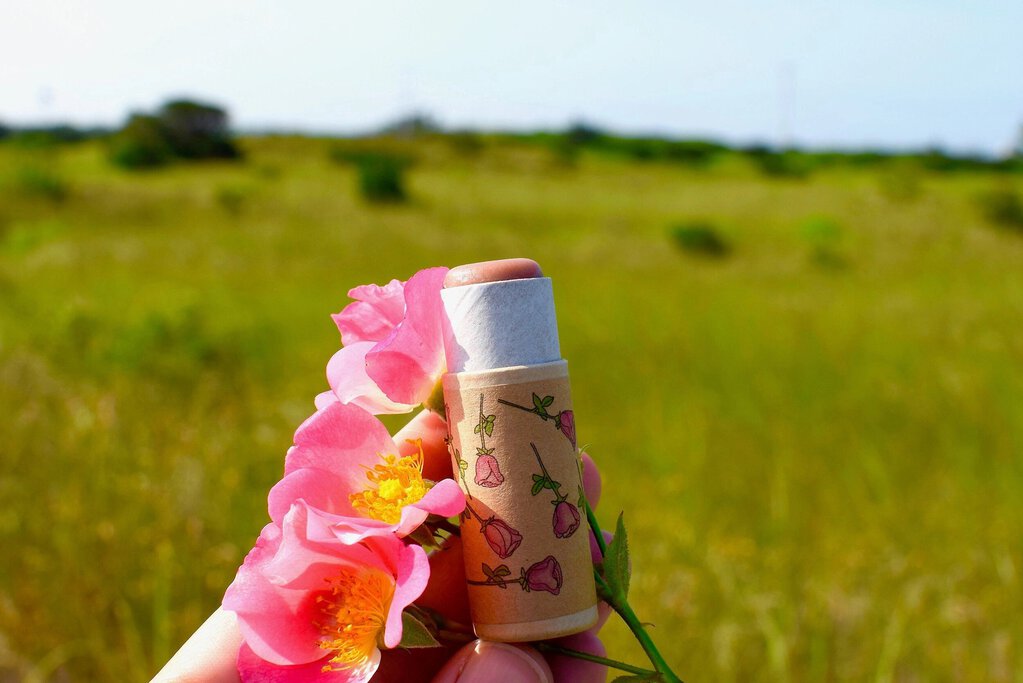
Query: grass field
<point x="817" y="438"/>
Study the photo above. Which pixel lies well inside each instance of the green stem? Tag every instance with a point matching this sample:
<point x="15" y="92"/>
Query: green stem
<point x="591" y="517"/>
<point x="626" y="612"/>
<point x="613" y="663"/>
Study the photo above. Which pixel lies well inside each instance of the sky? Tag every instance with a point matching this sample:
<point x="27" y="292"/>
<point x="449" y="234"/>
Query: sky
<point x="902" y="74"/>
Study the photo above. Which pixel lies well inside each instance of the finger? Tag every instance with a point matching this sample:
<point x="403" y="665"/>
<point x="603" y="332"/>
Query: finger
<point x="431" y="428"/>
<point x="572" y="670"/>
<point x="446" y="591"/>
<point x="210" y="654"/>
<point x="591" y="480"/>
<point x="483" y="662"/>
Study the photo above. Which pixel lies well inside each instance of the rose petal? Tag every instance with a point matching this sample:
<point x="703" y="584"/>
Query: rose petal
<point x="408" y="363"/>
<point x="346" y="374"/>
<point x="375" y="313"/>
<point x="319" y="488"/>
<point x="277" y="624"/>
<point x="253" y="669"/>
<point x="413" y="571"/>
<point x="340" y="438"/>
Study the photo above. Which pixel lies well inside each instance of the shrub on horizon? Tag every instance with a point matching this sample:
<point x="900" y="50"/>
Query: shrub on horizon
<point x="1003" y="208"/>
<point x="700" y="238"/>
<point x="380" y="171"/>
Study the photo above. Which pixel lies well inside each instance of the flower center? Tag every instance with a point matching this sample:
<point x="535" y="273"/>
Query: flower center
<point x="394" y="483"/>
<point x="355" y="609"/>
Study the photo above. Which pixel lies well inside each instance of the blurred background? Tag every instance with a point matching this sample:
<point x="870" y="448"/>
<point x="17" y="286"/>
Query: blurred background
<point x="787" y="246"/>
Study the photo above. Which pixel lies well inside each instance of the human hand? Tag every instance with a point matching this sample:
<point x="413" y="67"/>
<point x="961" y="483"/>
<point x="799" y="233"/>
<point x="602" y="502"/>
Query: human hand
<point x="211" y="653"/>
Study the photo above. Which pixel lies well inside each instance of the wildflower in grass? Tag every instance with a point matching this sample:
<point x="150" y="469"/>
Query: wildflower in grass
<point x="393" y="354"/>
<point x="312" y="608"/>
<point x="346" y="465"/>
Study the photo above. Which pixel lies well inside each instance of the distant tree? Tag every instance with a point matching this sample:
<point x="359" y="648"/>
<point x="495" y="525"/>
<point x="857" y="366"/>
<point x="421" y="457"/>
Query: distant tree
<point x="197" y="131"/>
<point x="181" y="129"/>
<point x="413" y="125"/>
<point x="4" y="131"/>
<point x="582" y="133"/>
<point x="142" y="143"/>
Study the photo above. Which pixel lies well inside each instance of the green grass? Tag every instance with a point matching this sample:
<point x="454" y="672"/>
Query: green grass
<point x="821" y="468"/>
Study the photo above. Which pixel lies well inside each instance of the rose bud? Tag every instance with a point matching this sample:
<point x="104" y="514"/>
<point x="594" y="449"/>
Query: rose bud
<point x="501" y="538"/>
<point x="565" y="421"/>
<point x="545" y="575"/>
<point x="488" y="472"/>
<point x="566" y="519"/>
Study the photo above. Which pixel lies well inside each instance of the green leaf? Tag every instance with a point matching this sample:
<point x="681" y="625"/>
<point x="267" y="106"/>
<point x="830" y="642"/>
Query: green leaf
<point x="489" y="427"/>
<point x="415" y="634"/>
<point x="537" y="477"/>
<point x="502" y="570"/>
<point x="488" y="571"/>
<point x="553" y="485"/>
<point x="476" y="429"/>
<point x="463" y="465"/>
<point x="538" y="485"/>
<point x="616" y="562"/>
<point x="424" y="537"/>
<point x="547" y="400"/>
<point x="537" y="403"/>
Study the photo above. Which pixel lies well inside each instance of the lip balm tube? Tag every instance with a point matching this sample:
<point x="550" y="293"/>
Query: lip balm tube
<point x="511" y="435"/>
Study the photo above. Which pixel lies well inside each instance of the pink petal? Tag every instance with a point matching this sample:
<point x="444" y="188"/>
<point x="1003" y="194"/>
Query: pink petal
<point x="277" y="624"/>
<point x="340" y="438"/>
<point x="320" y="489"/>
<point x="376" y="311"/>
<point x="408" y="363"/>
<point x="413" y="573"/>
<point x="445" y="499"/>
<point x="324" y="399"/>
<point x="252" y="669"/>
<point x="303" y="563"/>
<point x="346" y="374"/>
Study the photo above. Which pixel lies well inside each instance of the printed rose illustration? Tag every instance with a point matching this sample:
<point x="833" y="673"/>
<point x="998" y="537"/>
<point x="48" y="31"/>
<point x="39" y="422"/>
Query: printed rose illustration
<point x="566" y="515"/>
<point x="564" y="421"/>
<point x="545" y="575"/>
<point x="502" y="538"/>
<point x="566" y="519"/>
<point x="488" y="471"/>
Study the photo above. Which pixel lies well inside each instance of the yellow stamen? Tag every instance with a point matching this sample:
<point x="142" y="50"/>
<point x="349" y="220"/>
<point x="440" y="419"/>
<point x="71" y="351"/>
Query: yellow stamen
<point x="355" y="612"/>
<point x="396" y="483"/>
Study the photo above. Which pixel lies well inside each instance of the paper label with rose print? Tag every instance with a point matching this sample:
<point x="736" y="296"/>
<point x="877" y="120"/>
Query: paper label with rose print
<point x="521" y="479"/>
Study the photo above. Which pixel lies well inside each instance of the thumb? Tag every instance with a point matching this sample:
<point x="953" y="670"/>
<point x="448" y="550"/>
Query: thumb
<point x="483" y="661"/>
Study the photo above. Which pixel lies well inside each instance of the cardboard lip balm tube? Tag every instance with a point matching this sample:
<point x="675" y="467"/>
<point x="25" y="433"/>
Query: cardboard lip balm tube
<point x="511" y="434"/>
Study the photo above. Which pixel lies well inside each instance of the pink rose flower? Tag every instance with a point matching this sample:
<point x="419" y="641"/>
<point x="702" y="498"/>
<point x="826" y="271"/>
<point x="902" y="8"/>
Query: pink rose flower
<point x="315" y="610"/>
<point x="566" y="519"/>
<point x="488" y="472"/>
<point x="345" y="464"/>
<point x="565" y="421"/>
<point x="393" y="353"/>
<point x="501" y="538"/>
<point x="545" y="575"/>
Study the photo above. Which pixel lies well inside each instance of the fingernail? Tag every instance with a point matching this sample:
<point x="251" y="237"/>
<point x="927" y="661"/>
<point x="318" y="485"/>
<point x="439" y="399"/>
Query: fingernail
<point x="502" y="662"/>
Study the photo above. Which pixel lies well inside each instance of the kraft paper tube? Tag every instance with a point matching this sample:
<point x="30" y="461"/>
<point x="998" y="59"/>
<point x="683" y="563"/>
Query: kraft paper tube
<point x="512" y="442"/>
